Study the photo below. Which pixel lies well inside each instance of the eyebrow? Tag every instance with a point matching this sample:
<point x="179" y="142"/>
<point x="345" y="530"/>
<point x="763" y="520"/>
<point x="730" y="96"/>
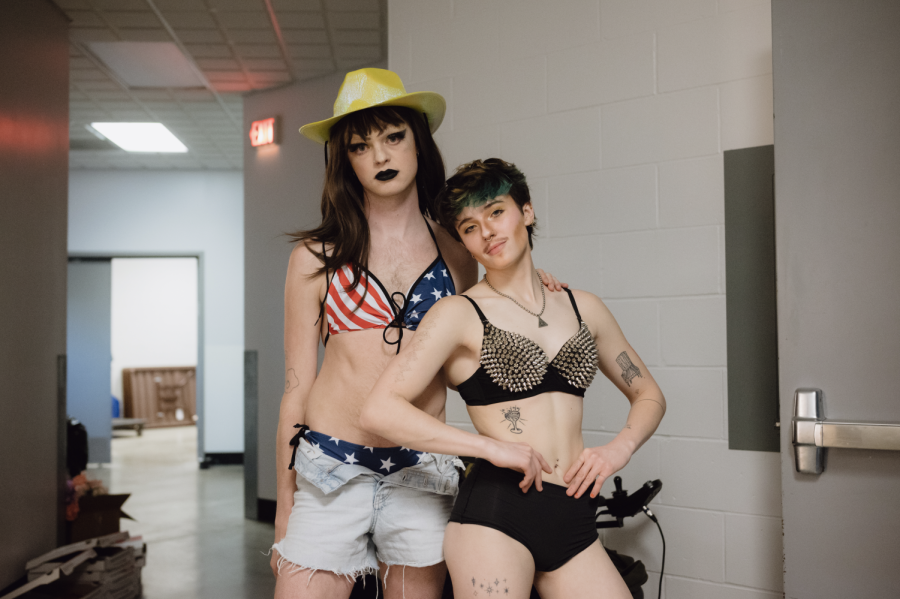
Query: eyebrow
<point x="483" y="208"/>
<point x="400" y="128"/>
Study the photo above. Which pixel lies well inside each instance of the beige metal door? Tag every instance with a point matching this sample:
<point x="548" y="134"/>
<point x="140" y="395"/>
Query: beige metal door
<point x="837" y="194"/>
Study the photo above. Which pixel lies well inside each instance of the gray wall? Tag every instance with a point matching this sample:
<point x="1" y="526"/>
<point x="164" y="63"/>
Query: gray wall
<point x="88" y="348"/>
<point x="282" y="190"/>
<point x="619" y="111"/>
<point x="34" y="143"/>
<point x="122" y="213"/>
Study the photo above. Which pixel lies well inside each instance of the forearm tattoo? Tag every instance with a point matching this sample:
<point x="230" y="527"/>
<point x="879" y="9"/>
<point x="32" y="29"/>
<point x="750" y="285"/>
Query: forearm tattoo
<point x="290" y="381"/>
<point x="513" y="416"/>
<point x="629" y="370"/>
<point x="490" y="587"/>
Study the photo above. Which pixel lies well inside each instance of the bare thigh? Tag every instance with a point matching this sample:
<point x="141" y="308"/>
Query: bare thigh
<point x="487" y="564"/>
<point x="301" y="583"/>
<point x="590" y="575"/>
<point x="400" y="582"/>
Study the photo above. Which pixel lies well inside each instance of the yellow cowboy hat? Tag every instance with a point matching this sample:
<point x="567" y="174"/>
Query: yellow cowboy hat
<point x="367" y="88"/>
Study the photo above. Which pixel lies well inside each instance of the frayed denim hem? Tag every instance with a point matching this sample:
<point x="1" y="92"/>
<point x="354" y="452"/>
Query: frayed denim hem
<point x="292" y="567"/>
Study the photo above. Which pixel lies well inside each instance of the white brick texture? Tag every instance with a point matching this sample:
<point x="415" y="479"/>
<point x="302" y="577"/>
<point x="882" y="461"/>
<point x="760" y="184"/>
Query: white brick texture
<point x="618" y="113"/>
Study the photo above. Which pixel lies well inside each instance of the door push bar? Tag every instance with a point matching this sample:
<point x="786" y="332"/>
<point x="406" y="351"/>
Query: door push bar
<point x="812" y="433"/>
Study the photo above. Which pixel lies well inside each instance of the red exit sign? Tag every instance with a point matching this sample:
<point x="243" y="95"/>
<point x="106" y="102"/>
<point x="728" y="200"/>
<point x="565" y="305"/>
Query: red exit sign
<point x="262" y="132"/>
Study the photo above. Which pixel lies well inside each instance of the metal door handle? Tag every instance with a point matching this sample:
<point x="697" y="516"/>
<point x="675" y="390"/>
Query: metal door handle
<point x="812" y="433"/>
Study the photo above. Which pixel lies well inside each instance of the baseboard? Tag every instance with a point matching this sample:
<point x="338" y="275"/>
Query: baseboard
<point x="222" y="459"/>
<point x="265" y="510"/>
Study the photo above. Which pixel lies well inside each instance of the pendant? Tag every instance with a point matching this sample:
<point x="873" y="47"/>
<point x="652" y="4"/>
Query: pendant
<point x="541" y="322"/>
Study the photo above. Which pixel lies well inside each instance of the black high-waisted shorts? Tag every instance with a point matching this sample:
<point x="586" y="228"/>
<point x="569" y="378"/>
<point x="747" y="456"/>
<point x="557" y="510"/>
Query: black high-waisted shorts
<point x="553" y="526"/>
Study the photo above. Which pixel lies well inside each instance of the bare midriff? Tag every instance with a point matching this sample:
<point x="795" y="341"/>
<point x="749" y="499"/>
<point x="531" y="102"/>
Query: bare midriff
<point x="352" y="364"/>
<point x="550" y="423"/>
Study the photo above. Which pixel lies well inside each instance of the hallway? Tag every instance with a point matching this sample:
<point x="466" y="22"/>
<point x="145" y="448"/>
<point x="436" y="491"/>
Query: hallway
<point x="199" y="545"/>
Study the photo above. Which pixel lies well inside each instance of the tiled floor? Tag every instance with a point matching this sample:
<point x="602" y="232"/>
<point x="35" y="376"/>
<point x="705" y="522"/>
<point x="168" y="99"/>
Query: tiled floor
<point x="199" y="545"/>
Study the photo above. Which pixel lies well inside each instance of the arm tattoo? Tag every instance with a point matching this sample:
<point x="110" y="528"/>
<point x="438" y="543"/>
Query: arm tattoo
<point x="513" y="415"/>
<point x="290" y="381"/>
<point x="629" y="370"/>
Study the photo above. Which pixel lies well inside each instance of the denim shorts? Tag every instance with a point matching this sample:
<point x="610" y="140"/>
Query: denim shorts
<point x="347" y="518"/>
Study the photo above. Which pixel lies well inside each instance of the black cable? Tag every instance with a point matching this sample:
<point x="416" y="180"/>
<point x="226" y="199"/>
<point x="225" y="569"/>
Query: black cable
<point x="662" y="567"/>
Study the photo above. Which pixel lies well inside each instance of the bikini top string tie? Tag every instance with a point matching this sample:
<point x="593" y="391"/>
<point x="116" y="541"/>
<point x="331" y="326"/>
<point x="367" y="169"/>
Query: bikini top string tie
<point x="397" y="322"/>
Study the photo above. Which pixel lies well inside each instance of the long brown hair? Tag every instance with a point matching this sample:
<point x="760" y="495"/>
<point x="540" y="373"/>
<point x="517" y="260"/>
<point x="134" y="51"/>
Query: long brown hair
<point x="344" y="226"/>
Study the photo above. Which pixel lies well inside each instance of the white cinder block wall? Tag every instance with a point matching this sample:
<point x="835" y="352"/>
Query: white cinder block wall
<point x="618" y="112"/>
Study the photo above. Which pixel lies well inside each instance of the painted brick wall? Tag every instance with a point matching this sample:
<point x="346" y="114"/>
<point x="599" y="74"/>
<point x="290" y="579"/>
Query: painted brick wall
<point x="618" y="111"/>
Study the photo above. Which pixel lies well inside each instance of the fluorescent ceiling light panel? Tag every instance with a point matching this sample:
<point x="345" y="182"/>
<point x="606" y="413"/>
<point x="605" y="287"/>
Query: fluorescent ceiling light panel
<point x="147" y="64"/>
<point x="140" y="137"/>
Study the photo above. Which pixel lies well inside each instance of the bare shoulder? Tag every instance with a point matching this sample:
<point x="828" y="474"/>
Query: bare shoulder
<point x="304" y="260"/>
<point x="592" y="309"/>
<point x="303" y="276"/>
<point x="453" y="311"/>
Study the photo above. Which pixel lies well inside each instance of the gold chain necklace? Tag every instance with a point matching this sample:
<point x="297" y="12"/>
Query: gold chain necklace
<point x="541" y="322"/>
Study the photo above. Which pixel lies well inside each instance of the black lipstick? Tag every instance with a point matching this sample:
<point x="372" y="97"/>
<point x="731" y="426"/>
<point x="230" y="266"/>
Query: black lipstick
<point x="386" y="175"/>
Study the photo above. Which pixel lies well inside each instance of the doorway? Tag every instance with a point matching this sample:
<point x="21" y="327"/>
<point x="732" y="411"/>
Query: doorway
<point x="132" y="318"/>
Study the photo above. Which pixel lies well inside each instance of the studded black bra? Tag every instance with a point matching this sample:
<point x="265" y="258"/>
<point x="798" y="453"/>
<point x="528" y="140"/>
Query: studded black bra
<point x="513" y="366"/>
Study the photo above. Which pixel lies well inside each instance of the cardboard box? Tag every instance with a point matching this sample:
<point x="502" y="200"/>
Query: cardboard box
<point x="97" y="516"/>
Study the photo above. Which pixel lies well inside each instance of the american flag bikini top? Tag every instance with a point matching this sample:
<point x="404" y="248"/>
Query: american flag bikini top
<point x="364" y="306"/>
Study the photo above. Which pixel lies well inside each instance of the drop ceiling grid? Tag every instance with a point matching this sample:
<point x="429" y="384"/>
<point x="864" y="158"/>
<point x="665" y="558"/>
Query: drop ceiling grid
<point x="236" y="47"/>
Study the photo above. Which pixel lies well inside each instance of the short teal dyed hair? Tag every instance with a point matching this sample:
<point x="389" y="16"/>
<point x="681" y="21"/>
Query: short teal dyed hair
<point x="477" y="183"/>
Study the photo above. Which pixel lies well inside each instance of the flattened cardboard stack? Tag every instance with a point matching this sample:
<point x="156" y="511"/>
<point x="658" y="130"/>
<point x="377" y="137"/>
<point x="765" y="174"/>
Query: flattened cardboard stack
<point x="103" y="568"/>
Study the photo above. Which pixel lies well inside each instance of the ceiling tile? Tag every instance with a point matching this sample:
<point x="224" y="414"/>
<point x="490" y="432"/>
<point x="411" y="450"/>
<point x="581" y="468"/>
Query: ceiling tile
<point x="230" y="5"/>
<point x="265" y="64"/>
<point x="355" y="20"/>
<point x="192" y="95"/>
<point x="144" y="35"/>
<point x="110" y="101"/>
<point x="68" y="5"/>
<point x="84" y="18"/>
<point x="179" y="5"/>
<point x="93" y="34"/>
<point x="107" y="5"/>
<point x="317" y="64"/>
<point x="357" y="36"/>
<point x="135" y="20"/>
<point x="296" y="5"/>
<point x="304" y="74"/>
<point x="305" y="36"/>
<point x="252" y="36"/>
<point x="373" y="53"/>
<point x="90" y="86"/>
<point x="218" y="64"/>
<point x="224" y="76"/>
<point x="245" y="20"/>
<point x="152" y="94"/>
<point x="130" y="116"/>
<point x="257" y="50"/>
<point x="352" y="5"/>
<point x="310" y="51"/>
<point x="301" y="20"/>
<point x="91" y="74"/>
<point x="190" y="20"/>
<point x="199" y="36"/>
<point x="80" y="62"/>
<point x="209" y="50"/>
<point x="268" y="78"/>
